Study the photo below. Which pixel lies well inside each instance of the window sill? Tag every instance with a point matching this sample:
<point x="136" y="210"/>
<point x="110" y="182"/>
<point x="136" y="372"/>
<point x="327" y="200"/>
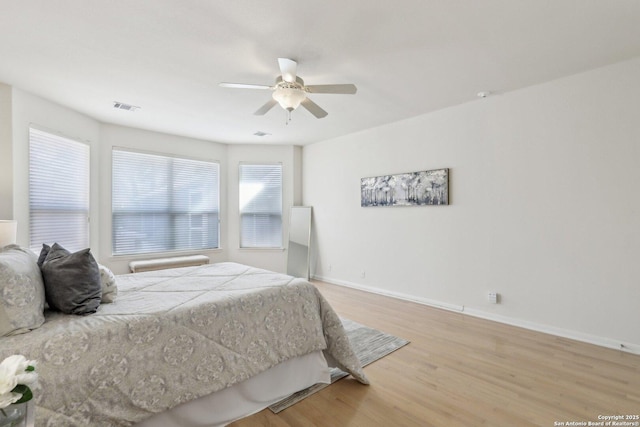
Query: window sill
<point x="261" y="249"/>
<point x="151" y="255"/>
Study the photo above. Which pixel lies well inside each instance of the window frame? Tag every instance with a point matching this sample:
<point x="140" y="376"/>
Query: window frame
<point x="279" y="247"/>
<point x="85" y="182"/>
<point x="170" y="251"/>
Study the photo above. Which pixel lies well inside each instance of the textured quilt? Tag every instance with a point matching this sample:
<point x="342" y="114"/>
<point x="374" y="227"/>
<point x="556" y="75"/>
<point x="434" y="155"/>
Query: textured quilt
<point x="173" y="336"/>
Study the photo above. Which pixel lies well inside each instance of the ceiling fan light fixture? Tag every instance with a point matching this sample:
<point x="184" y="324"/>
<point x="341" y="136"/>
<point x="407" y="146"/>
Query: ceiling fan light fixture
<point x="289" y="97"/>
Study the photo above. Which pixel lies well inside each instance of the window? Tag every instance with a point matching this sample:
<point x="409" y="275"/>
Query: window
<point x="162" y="203"/>
<point x="58" y="191"/>
<point x="260" y="206"/>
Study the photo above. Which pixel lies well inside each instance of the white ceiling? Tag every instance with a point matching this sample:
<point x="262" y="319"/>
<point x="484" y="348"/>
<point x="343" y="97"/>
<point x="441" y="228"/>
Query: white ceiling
<point x="407" y="57"/>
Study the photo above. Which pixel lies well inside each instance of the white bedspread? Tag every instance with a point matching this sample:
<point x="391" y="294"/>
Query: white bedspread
<point x="173" y="336"/>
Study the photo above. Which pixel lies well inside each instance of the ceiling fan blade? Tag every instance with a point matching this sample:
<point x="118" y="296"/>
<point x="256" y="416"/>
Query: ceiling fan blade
<point x="243" y="86"/>
<point x="288" y="68"/>
<point x="343" y="89"/>
<point x="266" y="107"/>
<point x="313" y="108"/>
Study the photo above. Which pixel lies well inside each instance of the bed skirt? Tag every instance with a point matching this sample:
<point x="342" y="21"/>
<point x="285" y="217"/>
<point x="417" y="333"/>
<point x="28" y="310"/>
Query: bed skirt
<point x="247" y="397"/>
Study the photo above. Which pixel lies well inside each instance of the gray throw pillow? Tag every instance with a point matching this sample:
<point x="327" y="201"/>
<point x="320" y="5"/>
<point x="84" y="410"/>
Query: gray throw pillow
<point x="21" y="291"/>
<point x="43" y="254"/>
<point x="71" y="281"/>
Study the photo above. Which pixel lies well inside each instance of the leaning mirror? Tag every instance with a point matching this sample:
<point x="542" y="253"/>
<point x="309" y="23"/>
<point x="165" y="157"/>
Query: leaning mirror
<point x="299" y="242"/>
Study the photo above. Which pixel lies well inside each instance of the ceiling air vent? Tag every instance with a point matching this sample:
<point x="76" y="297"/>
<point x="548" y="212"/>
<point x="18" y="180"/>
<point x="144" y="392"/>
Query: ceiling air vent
<point x="123" y="106"/>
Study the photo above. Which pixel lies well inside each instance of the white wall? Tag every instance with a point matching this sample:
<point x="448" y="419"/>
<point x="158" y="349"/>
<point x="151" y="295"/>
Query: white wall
<point x="6" y="153"/>
<point x="544" y="207"/>
<point x="27" y="109"/>
<point x="153" y="142"/>
<point x="289" y="156"/>
<point x="20" y="109"/>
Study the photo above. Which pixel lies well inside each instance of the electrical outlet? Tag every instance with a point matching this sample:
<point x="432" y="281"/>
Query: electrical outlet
<point x="329" y="267"/>
<point x="493" y="297"/>
<point x="362" y="274"/>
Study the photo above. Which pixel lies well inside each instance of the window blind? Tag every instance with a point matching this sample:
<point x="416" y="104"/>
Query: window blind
<point x="260" y="205"/>
<point x="58" y="191"/>
<point x="162" y="203"/>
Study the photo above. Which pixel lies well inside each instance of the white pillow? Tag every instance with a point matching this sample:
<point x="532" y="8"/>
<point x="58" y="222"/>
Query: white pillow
<point x="108" y="282"/>
<point x="21" y="291"/>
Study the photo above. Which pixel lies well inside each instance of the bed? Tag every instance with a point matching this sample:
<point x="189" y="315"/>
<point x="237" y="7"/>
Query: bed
<point x="187" y="346"/>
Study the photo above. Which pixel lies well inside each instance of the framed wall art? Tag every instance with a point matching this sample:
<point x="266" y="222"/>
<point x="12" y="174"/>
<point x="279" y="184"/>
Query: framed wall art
<point x="406" y="189"/>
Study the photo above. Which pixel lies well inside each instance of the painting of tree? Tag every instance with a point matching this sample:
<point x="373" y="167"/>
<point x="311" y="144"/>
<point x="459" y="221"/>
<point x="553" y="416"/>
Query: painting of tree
<point x="406" y="189"/>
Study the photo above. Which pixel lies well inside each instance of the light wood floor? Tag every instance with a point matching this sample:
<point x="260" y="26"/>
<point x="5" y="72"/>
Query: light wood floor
<point x="463" y="371"/>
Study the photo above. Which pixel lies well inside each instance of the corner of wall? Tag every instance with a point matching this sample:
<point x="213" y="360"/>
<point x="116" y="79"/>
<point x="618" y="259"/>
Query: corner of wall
<point x="6" y="152"/>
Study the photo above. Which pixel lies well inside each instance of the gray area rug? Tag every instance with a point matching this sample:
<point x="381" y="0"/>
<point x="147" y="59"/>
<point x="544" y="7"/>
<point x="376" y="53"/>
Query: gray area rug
<point x="369" y="345"/>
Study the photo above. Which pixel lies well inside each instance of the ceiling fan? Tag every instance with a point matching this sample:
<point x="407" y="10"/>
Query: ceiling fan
<point x="290" y="91"/>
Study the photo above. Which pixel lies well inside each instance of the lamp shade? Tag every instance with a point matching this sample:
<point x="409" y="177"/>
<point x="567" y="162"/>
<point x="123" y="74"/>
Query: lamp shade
<point x="289" y="98"/>
<point x="8" y="231"/>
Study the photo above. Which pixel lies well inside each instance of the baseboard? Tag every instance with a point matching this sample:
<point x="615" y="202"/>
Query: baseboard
<point x="397" y="295"/>
<point x="559" y="332"/>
